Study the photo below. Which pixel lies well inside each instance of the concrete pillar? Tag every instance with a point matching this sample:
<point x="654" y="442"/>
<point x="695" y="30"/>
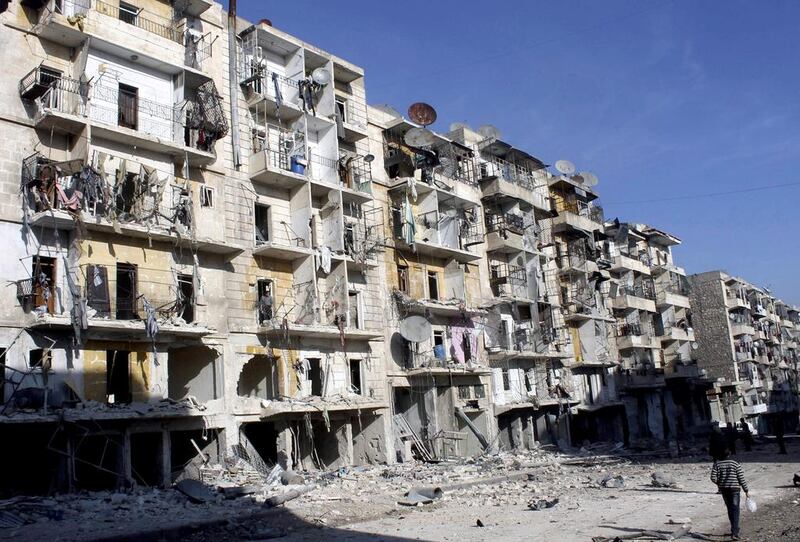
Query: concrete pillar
<point x="347" y="445"/>
<point x="166" y="459"/>
<point x="127" y="465"/>
<point x="517" y="439"/>
<point x="285" y="446"/>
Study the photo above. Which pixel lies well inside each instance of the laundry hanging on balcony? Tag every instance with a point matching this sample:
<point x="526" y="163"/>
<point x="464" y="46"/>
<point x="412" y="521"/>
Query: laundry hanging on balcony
<point x="410" y="230"/>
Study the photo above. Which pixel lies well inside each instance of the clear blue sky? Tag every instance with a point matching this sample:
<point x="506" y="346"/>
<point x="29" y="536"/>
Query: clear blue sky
<point x="659" y="99"/>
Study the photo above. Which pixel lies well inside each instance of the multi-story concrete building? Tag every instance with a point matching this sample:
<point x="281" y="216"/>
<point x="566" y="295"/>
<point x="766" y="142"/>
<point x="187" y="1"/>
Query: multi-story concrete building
<point x="747" y="343"/>
<point x="663" y="387"/>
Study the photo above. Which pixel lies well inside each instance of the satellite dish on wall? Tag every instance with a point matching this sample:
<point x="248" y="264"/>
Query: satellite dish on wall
<point x="422" y="113"/>
<point x="415" y="329"/>
<point x="321" y="76"/>
<point x="489" y="132"/>
<point x="419" y="137"/>
<point x="566" y="167"/>
<point x="589" y="178"/>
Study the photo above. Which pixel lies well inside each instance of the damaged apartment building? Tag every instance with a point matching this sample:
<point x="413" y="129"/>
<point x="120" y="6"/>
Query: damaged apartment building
<point x="218" y="251"/>
<point x="748" y="344"/>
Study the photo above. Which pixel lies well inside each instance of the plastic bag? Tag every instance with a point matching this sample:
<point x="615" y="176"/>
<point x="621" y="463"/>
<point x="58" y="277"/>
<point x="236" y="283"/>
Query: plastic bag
<point x="751" y="505"/>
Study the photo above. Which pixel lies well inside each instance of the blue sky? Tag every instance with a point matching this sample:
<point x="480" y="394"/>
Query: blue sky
<point x="660" y="99"/>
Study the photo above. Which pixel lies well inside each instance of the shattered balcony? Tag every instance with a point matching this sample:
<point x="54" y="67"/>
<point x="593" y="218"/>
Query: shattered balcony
<point x="364" y="237"/>
<point x="438" y="307"/>
<point x="644" y="378"/>
<point x="678" y="333"/>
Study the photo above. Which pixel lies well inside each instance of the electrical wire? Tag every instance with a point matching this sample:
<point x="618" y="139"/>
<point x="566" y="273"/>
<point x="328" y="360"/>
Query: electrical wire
<point x="708" y="194"/>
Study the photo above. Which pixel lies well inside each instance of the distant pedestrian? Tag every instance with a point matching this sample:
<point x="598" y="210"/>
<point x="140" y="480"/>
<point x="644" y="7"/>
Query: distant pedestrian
<point x="779" y="430"/>
<point x="747" y="436"/>
<point x="728" y="476"/>
<point x="730" y="434"/>
<point x="717" y="443"/>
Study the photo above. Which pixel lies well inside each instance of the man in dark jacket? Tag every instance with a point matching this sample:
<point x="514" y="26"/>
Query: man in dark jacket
<point x="717" y="443"/>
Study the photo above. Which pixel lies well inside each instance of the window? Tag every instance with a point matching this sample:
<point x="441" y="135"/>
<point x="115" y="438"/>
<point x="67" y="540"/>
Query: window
<point x="433" y="285"/>
<point x="207" y="197"/>
<point x="439" y="350"/>
<point x="506" y="380"/>
<point x="341" y="108"/>
<point x="266" y="300"/>
<point x="464" y="392"/>
<point x="315" y="376"/>
<point x="529" y="382"/>
<point x="355" y="377"/>
<point x="128" y="13"/>
<point x="43" y="272"/>
<point x="186" y="298"/>
<point x="126" y="292"/>
<point x="48" y="76"/>
<point x="262" y="220"/>
<point x="354" y="310"/>
<point x="402" y="279"/>
<point x="479" y="390"/>
<point x="397" y="223"/>
<point x="128" y="106"/>
<point x="40" y="358"/>
<point x="118" y="376"/>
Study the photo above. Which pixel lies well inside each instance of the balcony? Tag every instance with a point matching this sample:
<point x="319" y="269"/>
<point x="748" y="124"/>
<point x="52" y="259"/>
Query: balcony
<point x="353" y="114"/>
<point x="740" y="328"/>
<point x="668" y="297"/>
<point x="634" y="336"/>
<point x="68" y="105"/>
<point x="753" y="410"/>
<point x="505" y="232"/>
<point x="275" y="93"/>
<point x="508" y="280"/>
<point x="295" y="250"/>
<point x="277" y="169"/>
<point x="529" y="343"/>
<point x="355" y="177"/>
<point x="676" y="333"/>
<point x="160" y="42"/>
<point x="638" y="297"/>
<point x="573" y="214"/>
<point x="644" y="379"/>
<point x="276" y="328"/>
<point x="684" y="370"/>
<point x="499" y="178"/>
<point x="427" y="231"/>
<point x="626" y="263"/>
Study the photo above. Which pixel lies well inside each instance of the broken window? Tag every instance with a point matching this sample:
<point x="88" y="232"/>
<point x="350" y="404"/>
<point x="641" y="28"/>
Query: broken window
<point x="402" y="279"/>
<point x="479" y="390"/>
<point x="97" y="290"/>
<point x="126" y="292"/>
<point x="529" y="387"/>
<point x="355" y="377"/>
<point x="128" y="13"/>
<point x="207" y="197"/>
<point x="128" y="105"/>
<point x="464" y="392"/>
<point x="439" y="350"/>
<point x="315" y="376"/>
<point x="265" y="294"/>
<point x="40" y="358"/>
<point x="341" y="108"/>
<point x="44" y="281"/>
<point x="186" y="298"/>
<point x="433" y="285"/>
<point x="258" y="378"/>
<point x="118" y="376"/>
<point x="262" y="222"/>
<point x="354" y="308"/>
<point x="126" y="194"/>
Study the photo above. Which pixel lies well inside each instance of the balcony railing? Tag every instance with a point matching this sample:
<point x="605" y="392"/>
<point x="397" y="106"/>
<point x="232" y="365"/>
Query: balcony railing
<point x="644" y="290"/>
<point x="160" y="26"/>
<point x="356" y="114"/>
<point x="356" y="173"/>
<point x="272" y="85"/>
<point x="578" y="207"/>
<point x="70" y="8"/>
<point x="507" y="274"/>
<point x="504" y="222"/>
<point x="510" y="172"/>
<point x="626" y="329"/>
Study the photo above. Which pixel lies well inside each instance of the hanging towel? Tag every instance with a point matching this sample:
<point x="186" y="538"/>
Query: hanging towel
<point x="324" y="254"/>
<point x="411" y="228"/>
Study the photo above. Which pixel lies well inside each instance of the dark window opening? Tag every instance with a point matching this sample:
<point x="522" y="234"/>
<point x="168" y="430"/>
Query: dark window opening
<point x="126" y="292"/>
<point x="528" y="382"/>
<point x="128" y="13"/>
<point x="524" y="312"/>
<point x="354" y="314"/>
<point x="128" y="105"/>
<point x="439" y="350"/>
<point x="97" y="291"/>
<point x="464" y="392"/>
<point x="341" y="109"/>
<point x="44" y="282"/>
<point x="315" y="376"/>
<point x="126" y="194"/>
<point x="118" y="376"/>
<point x="506" y="381"/>
<point x="206" y="197"/>
<point x="265" y="300"/>
<point x="402" y="279"/>
<point x="355" y="376"/>
<point x="397" y="223"/>
<point x="186" y="298"/>
<point x="40" y="358"/>
<point x="262" y="219"/>
<point x="480" y="391"/>
<point x="433" y="285"/>
<point x="2" y="376"/>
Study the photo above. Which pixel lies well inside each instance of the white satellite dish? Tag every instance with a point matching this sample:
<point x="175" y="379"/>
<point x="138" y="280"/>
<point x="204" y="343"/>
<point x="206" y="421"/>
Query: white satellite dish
<point x="419" y="137"/>
<point x="489" y="132"/>
<point x="566" y="167"/>
<point x="415" y="329"/>
<point x="333" y="198"/>
<point x="589" y="178"/>
<point x="321" y="76"/>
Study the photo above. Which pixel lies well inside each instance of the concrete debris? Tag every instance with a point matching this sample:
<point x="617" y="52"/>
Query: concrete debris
<point x="277" y="500"/>
<point x="196" y="491"/>
<point x="542" y="504"/>
<point x="612" y="481"/>
<point x="291" y="478"/>
<point x="421" y="495"/>
<point x="797" y="479"/>
<point x="660" y="479"/>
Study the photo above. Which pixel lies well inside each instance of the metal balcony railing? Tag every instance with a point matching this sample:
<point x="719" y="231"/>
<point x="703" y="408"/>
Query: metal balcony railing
<point x="456" y="168"/>
<point x="494" y="167"/>
<point x="198" y="50"/>
<point x="644" y="290"/>
<point x="272" y="85"/>
<point x="513" y="275"/>
<point x="504" y="222"/>
<point x="356" y="113"/>
<point x="356" y="173"/>
<point x="589" y="210"/>
<point x="626" y="329"/>
<point x="149" y="22"/>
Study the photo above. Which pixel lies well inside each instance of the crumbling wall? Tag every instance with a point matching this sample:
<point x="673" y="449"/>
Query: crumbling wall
<point x="193" y="371"/>
<point x="711" y="325"/>
<point x="369" y="439"/>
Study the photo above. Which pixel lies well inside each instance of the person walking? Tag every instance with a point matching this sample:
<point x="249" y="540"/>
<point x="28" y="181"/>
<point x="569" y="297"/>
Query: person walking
<point x="727" y="474"/>
<point x="730" y="435"/>
<point x="779" y="431"/>
<point x="747" y="436"/>
<point x="716" y="442"/>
